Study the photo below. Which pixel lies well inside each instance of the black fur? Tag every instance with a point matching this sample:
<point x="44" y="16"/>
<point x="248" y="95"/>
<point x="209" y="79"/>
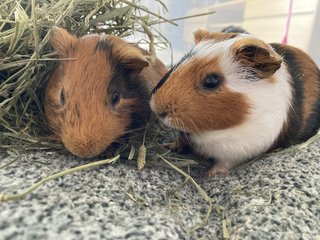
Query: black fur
<point x="162" y="81"/>
<point x="135" y="87"/>
<point x="234" y="29"/>
<point x="130" y="85"/>
<point x="313" y="122"/>
<point x="295" y="134"/>
<point x="104" y="45"/>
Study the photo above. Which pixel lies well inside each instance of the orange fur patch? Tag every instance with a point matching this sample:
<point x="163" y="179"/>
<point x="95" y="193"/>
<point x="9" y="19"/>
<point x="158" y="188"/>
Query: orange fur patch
<point x="193" y="109"/>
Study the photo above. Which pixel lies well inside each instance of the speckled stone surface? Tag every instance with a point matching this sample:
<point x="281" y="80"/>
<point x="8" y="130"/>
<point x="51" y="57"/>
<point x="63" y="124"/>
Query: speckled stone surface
<point x="274" y="197"/>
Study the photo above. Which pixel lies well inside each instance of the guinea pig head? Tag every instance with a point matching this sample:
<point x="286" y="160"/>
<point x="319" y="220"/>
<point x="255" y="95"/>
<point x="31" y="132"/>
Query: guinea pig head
<point x="94" y="95"/>
<point x="209" y="88"/>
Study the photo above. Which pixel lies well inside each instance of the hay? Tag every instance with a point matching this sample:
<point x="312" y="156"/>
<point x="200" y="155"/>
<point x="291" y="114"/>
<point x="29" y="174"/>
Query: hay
<point x="26" y="58"/>
<point x="202" y="193"/>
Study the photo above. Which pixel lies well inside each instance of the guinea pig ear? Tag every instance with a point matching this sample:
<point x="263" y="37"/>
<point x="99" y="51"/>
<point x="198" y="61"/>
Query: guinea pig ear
<point x="132" y="58"/>
<point x="265" y="62"/>
<point x="62" y="41"/>
<point x="201" y="35"/>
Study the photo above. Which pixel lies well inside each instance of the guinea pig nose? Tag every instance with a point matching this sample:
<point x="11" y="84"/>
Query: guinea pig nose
<point x="162" y="114"/>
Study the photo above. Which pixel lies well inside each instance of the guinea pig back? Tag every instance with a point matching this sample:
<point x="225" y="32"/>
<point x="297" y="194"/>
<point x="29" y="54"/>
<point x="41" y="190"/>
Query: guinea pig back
<point x="99" y="90"/>
<point x="237" y="97"/>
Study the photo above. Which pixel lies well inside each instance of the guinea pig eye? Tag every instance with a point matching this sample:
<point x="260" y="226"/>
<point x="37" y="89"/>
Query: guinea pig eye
<point x="115" y="98"/>
<point x="62" y="97"/>
<point x="211" y="82"/>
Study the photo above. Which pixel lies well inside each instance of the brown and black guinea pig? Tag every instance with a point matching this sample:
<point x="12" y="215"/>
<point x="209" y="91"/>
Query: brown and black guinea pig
<point x="235" y="97"/>
<point x="99" y="90"/>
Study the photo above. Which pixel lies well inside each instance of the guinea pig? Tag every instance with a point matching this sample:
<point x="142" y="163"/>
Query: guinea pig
<point x="234" y="29"/>
<point x="99" y="90"/>
<point x="235" y="97"/>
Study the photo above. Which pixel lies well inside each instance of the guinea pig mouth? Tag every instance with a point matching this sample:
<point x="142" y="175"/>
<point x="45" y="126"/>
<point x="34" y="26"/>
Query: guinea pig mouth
<point x="85" y="149"/>
<point x="169" y="121"/>
<point x="86" y="155"/>
<point x="166" y="120"/>
<point x="163" y="115"/>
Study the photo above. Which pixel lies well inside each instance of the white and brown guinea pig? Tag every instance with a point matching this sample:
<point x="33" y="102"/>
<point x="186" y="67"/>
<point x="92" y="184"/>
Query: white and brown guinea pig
<point x="236" y="97"/>
<point x="99" y="90"/>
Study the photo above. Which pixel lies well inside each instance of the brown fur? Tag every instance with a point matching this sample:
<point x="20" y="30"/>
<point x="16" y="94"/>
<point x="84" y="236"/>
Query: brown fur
<point x="194" y="109"/>
<point x="258" y="55"/>
<point x="311" y="86"/>
<point x="250" y="52"/>
<point x="87" y="123"/>
<point x="303" y="118"/>
<point x="201" y="35"/>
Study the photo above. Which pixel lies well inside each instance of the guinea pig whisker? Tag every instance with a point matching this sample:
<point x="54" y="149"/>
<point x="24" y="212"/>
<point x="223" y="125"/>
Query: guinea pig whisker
<point x="58" y="133"/>
<point x="187" y="138"/>
<point x="134" y="130"/>
<point x="181" y="123"/>
<point x="119" y="141"/>
<point x="136" y="136"/>
<point x="184" y="130"/>
<point x="195" y="126"/>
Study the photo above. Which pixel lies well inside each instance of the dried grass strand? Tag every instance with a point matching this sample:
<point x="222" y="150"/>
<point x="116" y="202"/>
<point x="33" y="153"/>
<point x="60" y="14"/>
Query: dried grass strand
<point x="5" y="198"/>
<point x="203" y="194"/>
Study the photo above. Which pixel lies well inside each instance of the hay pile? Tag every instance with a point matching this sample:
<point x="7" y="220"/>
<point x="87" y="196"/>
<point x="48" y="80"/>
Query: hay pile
<point x="26" y="58"/>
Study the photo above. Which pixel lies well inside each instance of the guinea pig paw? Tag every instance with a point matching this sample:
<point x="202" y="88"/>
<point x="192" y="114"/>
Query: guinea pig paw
<point x="217" y="170"/>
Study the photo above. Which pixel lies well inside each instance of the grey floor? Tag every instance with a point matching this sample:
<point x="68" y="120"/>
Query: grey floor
<point x="274" y="197"/>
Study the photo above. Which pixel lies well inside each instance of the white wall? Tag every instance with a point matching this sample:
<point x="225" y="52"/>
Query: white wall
<point x="314" y="44"/>
<point x="263" y="18"/>
<point x="267" y="19"/>
<point x="181" y="42"/>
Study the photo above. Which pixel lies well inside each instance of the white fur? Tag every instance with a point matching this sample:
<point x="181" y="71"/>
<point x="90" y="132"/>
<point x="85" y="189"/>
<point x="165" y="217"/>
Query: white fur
<point x="211" y="48"/>
<point x="270" y="104"/>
